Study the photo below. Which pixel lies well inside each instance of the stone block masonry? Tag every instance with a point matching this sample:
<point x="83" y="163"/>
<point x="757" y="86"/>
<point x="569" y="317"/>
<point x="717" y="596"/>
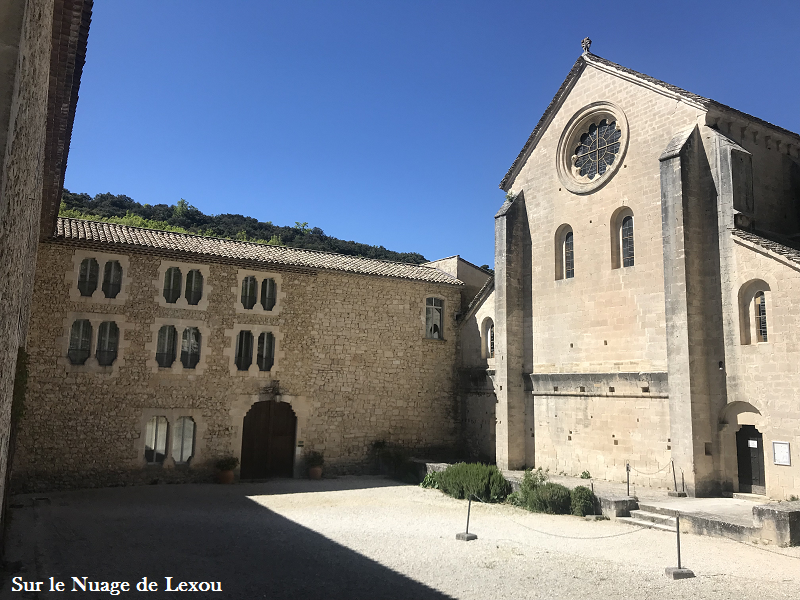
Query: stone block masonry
<point x="351" y="358"/>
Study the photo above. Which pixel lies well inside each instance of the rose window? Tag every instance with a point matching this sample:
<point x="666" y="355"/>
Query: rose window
<point x="597" y="149"/>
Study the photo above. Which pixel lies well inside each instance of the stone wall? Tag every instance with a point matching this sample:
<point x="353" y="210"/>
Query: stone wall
<point x="351" y="359"/>
<point x="26" y="30"/>
<point x="478" y="398"/>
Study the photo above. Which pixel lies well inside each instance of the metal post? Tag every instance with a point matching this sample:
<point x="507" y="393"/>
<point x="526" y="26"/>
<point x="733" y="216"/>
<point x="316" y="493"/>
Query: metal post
<point x="469" y="508"/>
<point x="683" y="482"/>
<point x="678" y="532"/>
<point x="628" y="473"/>
<point x="466" y="536"/>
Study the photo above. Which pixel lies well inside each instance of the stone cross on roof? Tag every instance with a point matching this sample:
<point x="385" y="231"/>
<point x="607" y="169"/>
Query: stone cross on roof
<point x="586" y="43"/>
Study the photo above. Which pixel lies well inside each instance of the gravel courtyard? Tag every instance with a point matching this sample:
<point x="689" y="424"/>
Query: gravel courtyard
<point x="364" y="538"/>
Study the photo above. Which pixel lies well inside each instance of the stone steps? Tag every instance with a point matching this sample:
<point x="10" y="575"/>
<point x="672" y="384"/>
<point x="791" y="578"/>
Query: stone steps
<point x="651" y="520"/>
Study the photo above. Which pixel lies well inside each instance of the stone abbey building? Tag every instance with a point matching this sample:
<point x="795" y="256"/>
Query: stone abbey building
<point x="645" y="311"/>
<point x="647" y="301"/>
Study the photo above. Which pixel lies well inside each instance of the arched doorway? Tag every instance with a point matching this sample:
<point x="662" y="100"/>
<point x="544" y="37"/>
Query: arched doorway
<point x="268" y="439"/>
<point x="750" y="456"/>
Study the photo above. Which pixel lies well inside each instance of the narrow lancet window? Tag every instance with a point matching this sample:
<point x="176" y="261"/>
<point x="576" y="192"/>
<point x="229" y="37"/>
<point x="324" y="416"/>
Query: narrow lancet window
<point x="167" y="346"/>
<point x="627" y="242"/>
<point x="80" y="341"/>
<point x="194" y="287"/>
<point x="244" y="350"/>
<point x="266" y="351"/>
<point x="761" y="316"/>
<point x="112" y="279"/>
<point x="190" y="347"/>
<point x="249" y="287"/>
<point x="172" y="285"/>
<point x="268" y="294"/>
<point x="107" y="341"/>
<point x="87" y="278"/>
<point x="569" y="258"/>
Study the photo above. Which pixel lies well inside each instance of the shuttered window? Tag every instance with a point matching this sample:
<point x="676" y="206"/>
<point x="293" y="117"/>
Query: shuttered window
<point x="266" y="351"/>
<point x="167" y="346"/>
<point x="172" y="285"/>
<point x="268" y="294"/>
<point x="194" y="287"/>
<point x="87" y="277"/>
<point x="244" y="350"/>
<point x="107" y="341"/>
<point x="249" y="291"/>
<point x="80" y="341"/>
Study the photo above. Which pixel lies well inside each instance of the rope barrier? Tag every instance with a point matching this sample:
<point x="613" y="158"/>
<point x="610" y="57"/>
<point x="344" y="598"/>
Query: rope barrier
<point x="667" y="466"/>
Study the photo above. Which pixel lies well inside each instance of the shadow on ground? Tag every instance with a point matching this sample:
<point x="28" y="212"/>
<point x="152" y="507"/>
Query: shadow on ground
<point x="196" y="533"/>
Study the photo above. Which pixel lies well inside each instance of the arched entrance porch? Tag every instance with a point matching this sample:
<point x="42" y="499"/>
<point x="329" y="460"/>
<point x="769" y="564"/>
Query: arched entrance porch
<point x="742" y="443"/>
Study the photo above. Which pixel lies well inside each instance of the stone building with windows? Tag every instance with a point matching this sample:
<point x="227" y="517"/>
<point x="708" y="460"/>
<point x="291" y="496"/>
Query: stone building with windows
<point x="154" y="353"/>
<point x="647" y="290"/>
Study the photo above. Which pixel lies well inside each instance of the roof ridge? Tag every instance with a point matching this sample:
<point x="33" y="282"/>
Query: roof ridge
<point x="593" y="59"/>
<point x="213" y="237"/>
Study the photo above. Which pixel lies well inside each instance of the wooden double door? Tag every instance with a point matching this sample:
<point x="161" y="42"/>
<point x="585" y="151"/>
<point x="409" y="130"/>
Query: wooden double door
<point x="750" y="456"/>
<point x="268" y="440"/>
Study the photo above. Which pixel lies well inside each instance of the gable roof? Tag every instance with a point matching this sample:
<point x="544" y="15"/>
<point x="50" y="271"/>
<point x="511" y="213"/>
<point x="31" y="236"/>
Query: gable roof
<point x="120" y="237"/>
<point x="588" y="58"/>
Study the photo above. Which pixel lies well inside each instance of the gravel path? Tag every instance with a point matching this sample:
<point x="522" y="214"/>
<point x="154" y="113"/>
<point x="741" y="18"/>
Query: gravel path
<point x="369" y="538"/>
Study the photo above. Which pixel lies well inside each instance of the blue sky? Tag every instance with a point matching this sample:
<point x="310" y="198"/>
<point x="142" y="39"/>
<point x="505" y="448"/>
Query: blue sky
<point x="390" y="123"/>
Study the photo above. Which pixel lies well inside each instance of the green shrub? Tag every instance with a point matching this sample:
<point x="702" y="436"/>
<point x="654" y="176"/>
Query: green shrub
<point x="551" y="498"/>
<point x="586" y="475"/>
<point x="431" y="481"/>
<point x="314" y="459"/>
<point x="227" y="463"/>
<point x="468" y="480"/>
<point x="582" y="501"/>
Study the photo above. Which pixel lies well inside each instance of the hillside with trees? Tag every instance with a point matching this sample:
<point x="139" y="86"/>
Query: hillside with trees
<point x="185" y="218"/>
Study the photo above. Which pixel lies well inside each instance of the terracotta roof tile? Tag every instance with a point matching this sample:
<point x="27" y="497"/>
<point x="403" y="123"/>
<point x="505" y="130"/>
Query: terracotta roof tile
<point x="79" y="230"/>
<point x="787" y="252"/>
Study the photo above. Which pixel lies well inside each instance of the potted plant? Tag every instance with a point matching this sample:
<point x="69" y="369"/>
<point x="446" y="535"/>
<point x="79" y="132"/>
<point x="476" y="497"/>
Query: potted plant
<point x="314" y="462"/>
<point x="225" y="467"/>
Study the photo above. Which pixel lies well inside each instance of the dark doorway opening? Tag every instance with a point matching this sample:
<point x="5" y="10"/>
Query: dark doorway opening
<point x="750" y="455"/>
<point x="268" y="439"/>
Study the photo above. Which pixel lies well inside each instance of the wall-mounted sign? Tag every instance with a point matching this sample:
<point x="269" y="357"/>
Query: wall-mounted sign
<point x="752" y="443"/>
<point x="781" y="453"/>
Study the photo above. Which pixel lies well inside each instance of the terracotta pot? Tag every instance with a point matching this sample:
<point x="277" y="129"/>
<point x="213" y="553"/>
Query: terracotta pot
<point x="225" y="477"/>
<point x="315" y="472"/>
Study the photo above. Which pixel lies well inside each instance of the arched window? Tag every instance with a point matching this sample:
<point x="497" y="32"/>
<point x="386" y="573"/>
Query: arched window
<point x="621" y="227"/>
<point x="434" y="318"/>
<point x="190" y="347"/>
<point x="80" y="341"/>
<point x="627" y="242"/>
<point x="167" y="346"/>
<point x="266" y="351"/>
<point x="487" y="338"/>
<point x="760" y="302"/>
<point x="244" y="350"/>
<point x="269" y="293"/>
<point x="754" y="296"/>
<point x="112" y="278"/>
<point x="249" y="290"/>
<point x="183" y="440"/>
<point x="107" y="340"/>
<point x="194" y="287"/>
<point x="569" y="257"/>
<point x="564" y="252"/>
<point x="87" y="277"/>
<point x="173" y="281"/>
<point x="155" y="440"/>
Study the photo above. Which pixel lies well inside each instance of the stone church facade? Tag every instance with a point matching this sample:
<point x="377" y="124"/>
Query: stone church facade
<point x="647" y="301"/>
